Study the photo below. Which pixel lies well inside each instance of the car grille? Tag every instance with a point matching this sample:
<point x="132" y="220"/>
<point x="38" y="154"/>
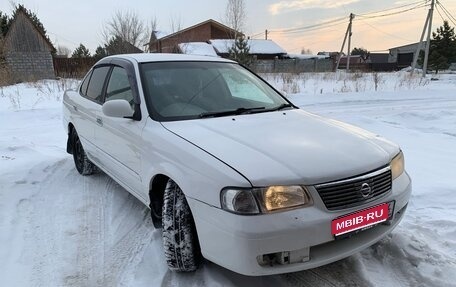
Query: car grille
<point x="355" y="191"/>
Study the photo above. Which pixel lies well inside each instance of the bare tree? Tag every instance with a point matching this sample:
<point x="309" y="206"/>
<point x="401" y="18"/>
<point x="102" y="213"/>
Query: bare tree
<point x="175" y="23"/>
<point x="127" y="26"/>
<point x="235" y="15"/>
<point x="305" y="51"/>
<point x="151" y="31"/>
<point x="63" y="51"/>
<point x="153" y="24"/>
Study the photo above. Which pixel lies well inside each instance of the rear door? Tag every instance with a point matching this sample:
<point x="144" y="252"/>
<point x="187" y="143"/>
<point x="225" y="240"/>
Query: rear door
<point x="86" y="108"/>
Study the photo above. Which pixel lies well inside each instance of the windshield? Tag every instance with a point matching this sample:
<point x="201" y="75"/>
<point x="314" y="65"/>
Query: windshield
<point x="190" y="90"/>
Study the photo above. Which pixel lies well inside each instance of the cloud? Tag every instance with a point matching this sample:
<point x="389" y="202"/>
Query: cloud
<point x="287" y="6"/>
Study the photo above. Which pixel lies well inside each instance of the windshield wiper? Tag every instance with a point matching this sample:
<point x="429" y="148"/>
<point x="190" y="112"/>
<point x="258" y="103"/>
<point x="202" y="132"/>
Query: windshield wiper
<point x="238" y="111"/>
<point x="283" y="106"/>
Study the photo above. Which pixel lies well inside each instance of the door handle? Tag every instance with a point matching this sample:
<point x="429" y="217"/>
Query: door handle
<point x="99" y="121"/>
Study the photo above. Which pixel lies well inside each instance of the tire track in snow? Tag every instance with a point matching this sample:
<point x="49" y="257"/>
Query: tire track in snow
<point x="44" y="238"/>
<point x="114" y="232"/>
<point x="80" y="231"/>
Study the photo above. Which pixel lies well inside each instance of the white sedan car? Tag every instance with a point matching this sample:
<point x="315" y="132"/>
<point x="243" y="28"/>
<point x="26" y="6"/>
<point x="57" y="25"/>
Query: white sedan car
<point x="233" y="171"/>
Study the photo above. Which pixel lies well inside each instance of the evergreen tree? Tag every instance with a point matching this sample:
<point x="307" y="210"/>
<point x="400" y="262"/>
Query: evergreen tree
<point x="100" y="53"/>
<point x="240" y="51"/>
<point x="361" y="52"/>
<point x="81" y="52"/>
<point x="4" y="21"/>
<point x="117" y="46"/>
<point x="442" y="51"/>
<point x="437" y="61"/>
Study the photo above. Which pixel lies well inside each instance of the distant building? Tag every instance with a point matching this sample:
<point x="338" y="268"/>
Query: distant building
<point x="27" y="51"/>
<point x="354" y="59"/>
<point x="379" y="62"/>
<point x="332" y="55"/>
<point x="201" y="32"/>
<point x="378" y="58"/>
<point x="403" y="55"/>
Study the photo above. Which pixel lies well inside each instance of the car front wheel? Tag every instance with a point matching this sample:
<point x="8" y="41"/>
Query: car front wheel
<point x="180" y="240"/>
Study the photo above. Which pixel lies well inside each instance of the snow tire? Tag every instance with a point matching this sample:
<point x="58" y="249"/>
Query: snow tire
<point x="180" y="240"/>
<point x="83" y="165"/>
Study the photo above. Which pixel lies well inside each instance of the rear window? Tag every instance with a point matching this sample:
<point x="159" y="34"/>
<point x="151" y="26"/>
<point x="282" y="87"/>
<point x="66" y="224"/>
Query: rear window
<point x="85" y="83"/>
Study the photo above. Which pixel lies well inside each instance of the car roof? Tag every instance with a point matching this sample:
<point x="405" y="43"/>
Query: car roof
<point x="161" y="57"/>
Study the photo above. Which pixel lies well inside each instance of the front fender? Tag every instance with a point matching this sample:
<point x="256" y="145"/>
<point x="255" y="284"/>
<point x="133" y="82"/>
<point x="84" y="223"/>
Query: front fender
<point x="200" y="175"/>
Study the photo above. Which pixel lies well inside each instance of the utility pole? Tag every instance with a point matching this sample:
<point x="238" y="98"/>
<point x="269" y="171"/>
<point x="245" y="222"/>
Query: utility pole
<point x="343" y="44"/>
<point x="428" y="43"/>
<point x="420" y="44"/>
<point x="428" y="26"/>
<point x="266" y="34"/>
<point x="352" y="16"/>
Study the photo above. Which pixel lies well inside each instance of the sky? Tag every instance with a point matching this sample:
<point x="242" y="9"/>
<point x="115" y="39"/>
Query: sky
<point x="70" y="23"/>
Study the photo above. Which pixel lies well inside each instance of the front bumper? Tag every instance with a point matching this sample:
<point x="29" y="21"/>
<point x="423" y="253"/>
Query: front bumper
<point x="236" y="242"/>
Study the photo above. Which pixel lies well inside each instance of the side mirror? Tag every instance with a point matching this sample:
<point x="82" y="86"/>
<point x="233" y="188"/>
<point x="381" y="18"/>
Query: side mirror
<point x="117" y="109"/>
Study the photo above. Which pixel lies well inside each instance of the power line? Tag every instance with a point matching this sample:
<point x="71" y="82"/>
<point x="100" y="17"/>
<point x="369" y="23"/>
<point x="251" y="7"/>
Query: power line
<point x="447" y="13"/>
<point x="386" y="33"/>
<point x="343" y="19"/>
<point x="394" y="13"/>
<point x="256" y="35"/>
<point x="395" y="8"/>
<point x="308" y="30"/>
<point x="437" y="8"/>
<point x="339" y="21"/>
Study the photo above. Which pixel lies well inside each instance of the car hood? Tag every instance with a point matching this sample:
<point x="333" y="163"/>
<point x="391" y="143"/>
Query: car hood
<point x="288" y="147"/>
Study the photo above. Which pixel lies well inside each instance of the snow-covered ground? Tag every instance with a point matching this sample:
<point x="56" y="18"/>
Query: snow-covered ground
<point x="58" y="228"/>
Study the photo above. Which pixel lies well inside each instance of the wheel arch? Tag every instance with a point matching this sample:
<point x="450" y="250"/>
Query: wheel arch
<point x="157" y="187"/>
<point x="70" y="130"/>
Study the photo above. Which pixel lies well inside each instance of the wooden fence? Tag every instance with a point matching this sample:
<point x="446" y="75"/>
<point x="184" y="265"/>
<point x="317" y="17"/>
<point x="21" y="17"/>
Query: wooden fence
<point x="292" y="66"/>
<point x="72" y="67"/>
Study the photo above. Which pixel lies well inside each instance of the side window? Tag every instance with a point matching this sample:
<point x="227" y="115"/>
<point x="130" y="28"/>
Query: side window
<point x="119" y="86"/>
<point x="85" y="83"/>
<point x="95" y="88"/>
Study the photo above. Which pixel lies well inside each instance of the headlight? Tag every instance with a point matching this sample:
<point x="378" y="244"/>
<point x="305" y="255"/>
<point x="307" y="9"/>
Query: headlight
<point x="397" y="165"/>
<point x="266" y="199"/>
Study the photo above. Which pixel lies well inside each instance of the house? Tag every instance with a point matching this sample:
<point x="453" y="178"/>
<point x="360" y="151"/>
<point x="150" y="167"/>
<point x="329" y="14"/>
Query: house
<point x="378" y="58"/>
<point x="379" y="62"/>
<point x="356" y="62"/>
<point x="403" y="55"/>
<point x="331" y="55"/>
<point x="28" y="52"/>
<point x="201" y="32"/>
<point x="259" y="49"/>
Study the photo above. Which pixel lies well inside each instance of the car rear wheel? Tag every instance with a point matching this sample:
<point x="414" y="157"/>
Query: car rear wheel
<point x="180" y="240"/>
<point x="83" y="165"/>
